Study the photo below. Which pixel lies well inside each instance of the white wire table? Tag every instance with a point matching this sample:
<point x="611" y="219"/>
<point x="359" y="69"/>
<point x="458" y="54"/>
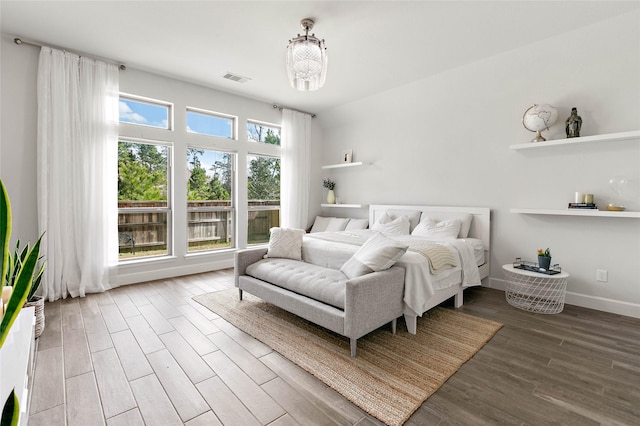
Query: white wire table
<point x="535" y="292"/>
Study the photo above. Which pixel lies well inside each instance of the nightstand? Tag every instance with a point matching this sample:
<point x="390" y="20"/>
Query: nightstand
<point x="534" y="291"/>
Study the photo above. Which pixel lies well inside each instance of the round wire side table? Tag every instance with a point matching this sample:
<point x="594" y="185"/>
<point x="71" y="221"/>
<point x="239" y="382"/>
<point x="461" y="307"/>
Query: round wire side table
<point x="535" y="292"/>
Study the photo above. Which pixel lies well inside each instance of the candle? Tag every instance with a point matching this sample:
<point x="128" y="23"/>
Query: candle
<point x="6" y="293"/>
<point x="579" y="197"/>
<point x="588" y="198"/>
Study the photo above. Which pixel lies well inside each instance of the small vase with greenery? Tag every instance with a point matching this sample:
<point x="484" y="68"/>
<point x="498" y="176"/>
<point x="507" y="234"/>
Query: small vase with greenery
<point x="544" y="259"/>
<point x="331" y="196"/>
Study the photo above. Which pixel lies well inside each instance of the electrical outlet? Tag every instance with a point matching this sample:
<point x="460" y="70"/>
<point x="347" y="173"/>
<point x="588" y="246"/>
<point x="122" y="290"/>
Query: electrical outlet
<point x="601" y="275"/>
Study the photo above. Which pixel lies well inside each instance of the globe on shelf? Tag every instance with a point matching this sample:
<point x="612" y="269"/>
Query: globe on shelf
<point x="538" y="118"/>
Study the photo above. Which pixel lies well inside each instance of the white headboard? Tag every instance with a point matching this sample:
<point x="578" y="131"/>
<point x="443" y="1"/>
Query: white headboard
<point x="480" y="225"/>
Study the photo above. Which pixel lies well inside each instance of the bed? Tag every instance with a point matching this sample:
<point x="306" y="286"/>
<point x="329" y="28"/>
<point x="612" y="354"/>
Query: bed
<point x="425" y="286"/>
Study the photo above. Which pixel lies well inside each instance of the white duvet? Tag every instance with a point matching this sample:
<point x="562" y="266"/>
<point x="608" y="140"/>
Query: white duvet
<point x="333" y="249"/>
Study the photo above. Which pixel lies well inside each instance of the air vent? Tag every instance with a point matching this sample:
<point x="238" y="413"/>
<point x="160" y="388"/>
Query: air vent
<point x="236" y="77"/>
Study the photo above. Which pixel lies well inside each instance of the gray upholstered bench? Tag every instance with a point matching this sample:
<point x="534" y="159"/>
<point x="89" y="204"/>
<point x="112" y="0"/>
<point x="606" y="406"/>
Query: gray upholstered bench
<point x="350" y="307"/>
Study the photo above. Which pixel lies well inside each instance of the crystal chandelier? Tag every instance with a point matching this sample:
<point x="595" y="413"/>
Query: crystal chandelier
<point x="306" y="60"/>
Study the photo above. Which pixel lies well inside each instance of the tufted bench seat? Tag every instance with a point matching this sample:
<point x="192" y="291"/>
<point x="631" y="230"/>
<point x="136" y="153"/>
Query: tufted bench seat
<point x="351" y="307"/>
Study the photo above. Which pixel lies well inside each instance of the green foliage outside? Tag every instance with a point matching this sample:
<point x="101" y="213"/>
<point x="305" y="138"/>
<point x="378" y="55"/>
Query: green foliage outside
<point x="142" y="172"/>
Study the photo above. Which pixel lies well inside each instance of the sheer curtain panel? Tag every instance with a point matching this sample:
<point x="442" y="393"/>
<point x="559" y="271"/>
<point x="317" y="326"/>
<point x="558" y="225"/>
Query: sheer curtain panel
<point x="77" y="172"/>
<point x="296" y="163"/>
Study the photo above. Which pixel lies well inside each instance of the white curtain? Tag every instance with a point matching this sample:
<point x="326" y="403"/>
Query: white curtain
<point x="77" y="172"/>
<point x="296" y="163"/>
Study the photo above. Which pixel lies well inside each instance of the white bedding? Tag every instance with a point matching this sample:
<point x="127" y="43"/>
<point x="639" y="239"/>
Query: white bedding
<point x="333" y="249"/>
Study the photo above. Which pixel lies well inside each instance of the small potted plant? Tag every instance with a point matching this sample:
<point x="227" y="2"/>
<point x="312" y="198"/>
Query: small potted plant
<point x="544" y="259"/>
<point x="331" y="196"/>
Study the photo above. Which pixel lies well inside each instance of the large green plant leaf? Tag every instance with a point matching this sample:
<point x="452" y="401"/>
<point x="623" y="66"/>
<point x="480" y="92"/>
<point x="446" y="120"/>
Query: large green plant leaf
<point x="20" y="292"/>
<point x="5" y="230"/>
<point x="11" y="410"/>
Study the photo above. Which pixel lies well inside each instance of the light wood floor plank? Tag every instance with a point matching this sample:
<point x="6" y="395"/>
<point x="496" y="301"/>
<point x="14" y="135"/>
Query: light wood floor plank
<point x="125" y="305"/>
<point x="83" y="401"/>
<point x="182" y="393"/>
<point x="77" y="358"/>
<point x="227" y="407"/>
<point x="166" y="309"/>
<point x="197" y="319"/>
<point x="155" y="319"/>
<point x="255" y="369"/>
<point x="210" y="315"/>
<point x="206" y="419"/>
<point x="144" y="334"/>
<point x="48" y="380"/>
<point x="198" y="341"/>
<point x="113" y="318"/>
<point x="130" y="418"/>
<point x="97" y="334"/>
<point x="131" y="356"/>
<point x="51" y="336"/>
<point x="261" y="405"/>
<point x="55" y="416"/>
<point x="251" y="344"/>
<point x="113" y="386"/>
<point x="295" y="404"/>
<point x="191" y="363"/>
<point x="153" y="402"/>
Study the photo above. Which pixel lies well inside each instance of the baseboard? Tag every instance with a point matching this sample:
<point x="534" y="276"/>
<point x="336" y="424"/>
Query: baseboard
<point x="582" y="300"/>
<point x="162" y="273"/>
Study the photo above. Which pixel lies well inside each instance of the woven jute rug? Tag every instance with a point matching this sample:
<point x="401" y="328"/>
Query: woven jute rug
<point x="391" y="375"/>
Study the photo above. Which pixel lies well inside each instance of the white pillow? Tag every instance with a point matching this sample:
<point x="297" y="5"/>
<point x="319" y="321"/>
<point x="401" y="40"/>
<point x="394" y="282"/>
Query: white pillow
<point x="397" y="226"/>
<point x="285" y="242"/>
<point x="357" y="224"/>
<point x="465" y="220"/>
<point x="412" y="215"/>
<point x="376" y="254"/>
<point x="445" y="230"/>
<point x="337" y="224"/>
<point x="320" y="224"/>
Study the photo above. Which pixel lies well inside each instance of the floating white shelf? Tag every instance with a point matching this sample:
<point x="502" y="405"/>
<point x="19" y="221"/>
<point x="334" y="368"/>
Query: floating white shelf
<point x="341" y="165"/>
<point x="344" y="206"/>
<point x="578" y="212"/>
<point x="612" y="137"/>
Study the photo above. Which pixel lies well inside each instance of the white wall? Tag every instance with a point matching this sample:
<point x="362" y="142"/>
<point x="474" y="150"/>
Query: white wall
<point x="18" y="151"/>
<point x="445" y="141"/>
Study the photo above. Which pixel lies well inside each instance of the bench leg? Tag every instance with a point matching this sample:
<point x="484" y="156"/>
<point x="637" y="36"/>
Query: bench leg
<point x="354" y="345"/>
<point x="394" y="324"/>
<point x="240" y="291"/>
<point x="412" y="323"/>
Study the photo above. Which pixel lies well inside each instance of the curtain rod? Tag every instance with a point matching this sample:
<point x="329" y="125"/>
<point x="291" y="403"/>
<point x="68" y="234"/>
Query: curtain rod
<point x="279" y="107"/>
<point x="19" y="41"/>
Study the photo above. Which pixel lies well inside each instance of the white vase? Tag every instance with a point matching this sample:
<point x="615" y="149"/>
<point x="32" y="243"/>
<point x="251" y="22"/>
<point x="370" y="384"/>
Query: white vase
<point x="331" y="197"/>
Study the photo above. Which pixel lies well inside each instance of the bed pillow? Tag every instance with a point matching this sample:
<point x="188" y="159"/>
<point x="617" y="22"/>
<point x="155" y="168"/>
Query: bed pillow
<point x="337" y="224"/>
<point x="357" y="224"/>
<point x="445" y="230"/>
<point x="465" y="220"/>
<point x="397" y="226"/>
<point x="320" y="224"/>
<point x="412" y="215"/>
<point x="376" y="254"/>
<point x="286" y="243"/>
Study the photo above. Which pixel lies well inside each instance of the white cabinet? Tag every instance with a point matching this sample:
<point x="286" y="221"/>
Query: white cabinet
<point x="16" y="358"/>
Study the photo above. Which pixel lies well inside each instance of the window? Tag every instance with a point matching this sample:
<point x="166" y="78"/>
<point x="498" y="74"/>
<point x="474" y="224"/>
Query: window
<point x="263" y="184"/>
<point x="210" y="212"/>
<point x="144" y="207"/>
<point x="263" y="133"/>
<point x="210" y="123"/>
<point x="144" y="112"/>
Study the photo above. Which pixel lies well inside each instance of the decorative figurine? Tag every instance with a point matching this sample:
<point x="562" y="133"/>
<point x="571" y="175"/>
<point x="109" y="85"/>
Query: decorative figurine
<point x="573" y="124"/>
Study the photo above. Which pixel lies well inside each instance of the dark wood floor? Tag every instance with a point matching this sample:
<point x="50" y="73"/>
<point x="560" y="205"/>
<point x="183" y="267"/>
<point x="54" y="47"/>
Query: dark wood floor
<point x="148" y="354"/>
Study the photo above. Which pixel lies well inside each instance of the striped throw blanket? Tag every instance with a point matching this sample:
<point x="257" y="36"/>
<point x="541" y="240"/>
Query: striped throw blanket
<point x="439" y="256"/>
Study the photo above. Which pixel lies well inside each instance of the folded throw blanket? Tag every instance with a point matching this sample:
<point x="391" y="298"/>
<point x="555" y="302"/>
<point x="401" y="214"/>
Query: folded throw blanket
<point x="439" y="256"/>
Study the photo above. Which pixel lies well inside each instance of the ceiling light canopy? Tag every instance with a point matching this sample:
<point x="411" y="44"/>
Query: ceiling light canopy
<point x="306" y="60"/>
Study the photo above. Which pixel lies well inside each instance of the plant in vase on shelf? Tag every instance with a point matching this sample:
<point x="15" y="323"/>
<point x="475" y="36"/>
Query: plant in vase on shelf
<point x="331" y="196"/>
<point x="544" y="259"/>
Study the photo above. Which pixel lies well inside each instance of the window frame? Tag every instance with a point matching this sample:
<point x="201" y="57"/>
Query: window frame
<point x="151" y="101"/>
<point x="265" y="124"/>
<point x="201" y="111"/>
<point x="168" y="210"/>
<point x="232" y="208"/>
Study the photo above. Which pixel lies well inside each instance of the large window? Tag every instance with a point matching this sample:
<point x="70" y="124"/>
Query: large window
<point x="143" y="199"/>
<point x="145" y="112"/>
<point x="263" y="133"/>
<point x="210" y="123"/>
<point x="210" y="209"/>
<point x="263" y="184"/>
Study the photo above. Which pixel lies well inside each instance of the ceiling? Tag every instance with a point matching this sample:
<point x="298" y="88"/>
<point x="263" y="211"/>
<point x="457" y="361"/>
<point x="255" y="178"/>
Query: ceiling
<point x="373" y="46"/>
